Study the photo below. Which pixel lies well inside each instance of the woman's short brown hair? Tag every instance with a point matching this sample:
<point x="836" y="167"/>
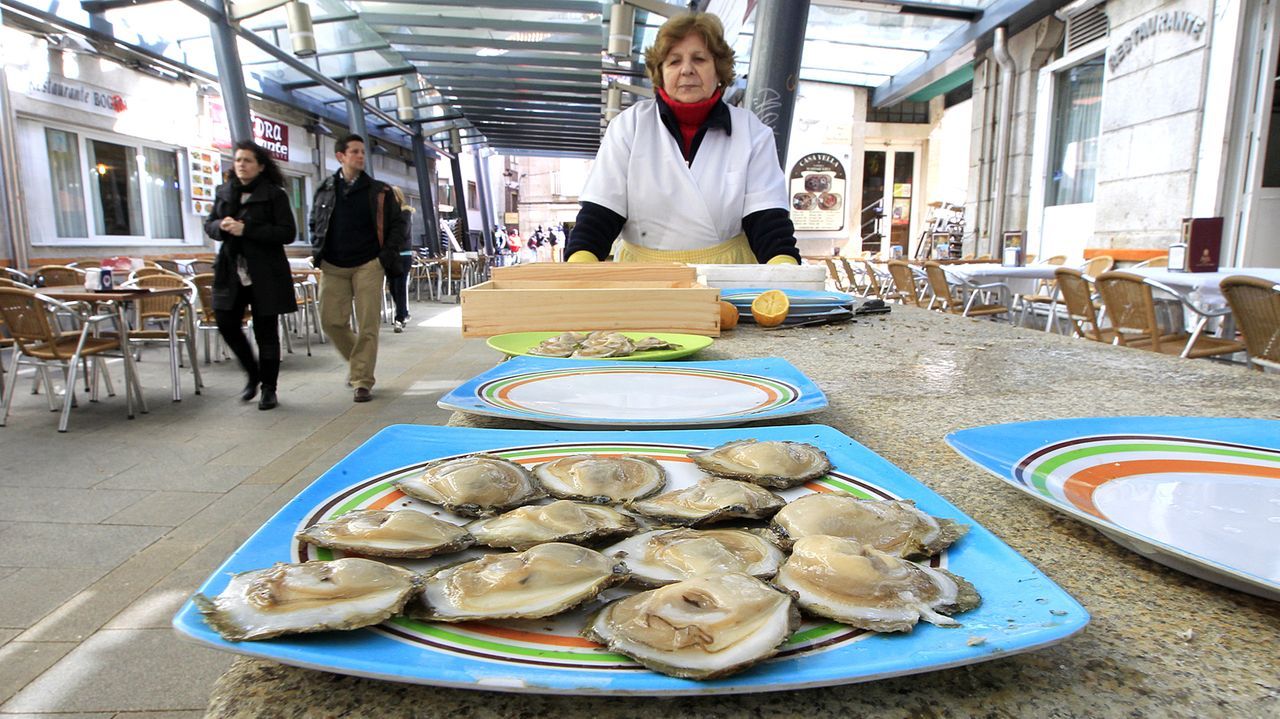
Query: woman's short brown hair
<point x="678" y="28"/>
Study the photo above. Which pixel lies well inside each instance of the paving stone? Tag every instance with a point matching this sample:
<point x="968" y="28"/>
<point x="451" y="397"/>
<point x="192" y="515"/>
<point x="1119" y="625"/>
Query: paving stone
<point x="73" y="715"/>
<point x="88" y="611"/>
<point x="102" y="675"/>
<point x="178" y="477"/>
<point x="162" y="509"/>
<point x="20" y="662"/>
<point x="28" y="594"/>
<point x="153" y="715"/>
<point x="221" y="513"/>
<point x="21" y="504"/>
<point x="8" y="634"/>
<point x="46" y="544"/>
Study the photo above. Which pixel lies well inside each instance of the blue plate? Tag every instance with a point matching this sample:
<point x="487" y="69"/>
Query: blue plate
<point x="1022" y="609"/>
<point x="596" y="393"/>
<point x="1199" y="494"/>
<point x="743" y="296"/>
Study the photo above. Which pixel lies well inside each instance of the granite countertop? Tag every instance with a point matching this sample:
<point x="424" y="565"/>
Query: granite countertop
<point x="1161" y="643"/>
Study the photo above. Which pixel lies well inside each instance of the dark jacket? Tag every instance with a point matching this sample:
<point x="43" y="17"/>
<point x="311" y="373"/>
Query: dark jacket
<point x="268" y="227"/>
<point x="391" y="227"/>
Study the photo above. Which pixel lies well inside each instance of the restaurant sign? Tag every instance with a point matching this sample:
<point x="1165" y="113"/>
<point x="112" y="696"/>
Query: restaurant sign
<point x="1174" y="21"/>
<point x="272" y="136"/>
<point x="818" y="187"/>
<point x="79" y="95"/>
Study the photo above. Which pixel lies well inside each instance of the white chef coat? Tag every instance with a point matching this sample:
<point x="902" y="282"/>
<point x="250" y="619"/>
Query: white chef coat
<point x="641" y="174"/>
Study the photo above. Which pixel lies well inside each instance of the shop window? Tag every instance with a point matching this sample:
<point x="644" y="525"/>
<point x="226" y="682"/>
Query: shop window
<point x="164" y="193"/>
<point x="67" y="183"/>
<point x="1077" y="113"/>
<point x="907" y="111"/>
<point x="473" y="199"/>
<point x="117" y="201"/>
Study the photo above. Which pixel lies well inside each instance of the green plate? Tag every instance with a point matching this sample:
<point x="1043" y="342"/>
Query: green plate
<point x="519" y="343"/>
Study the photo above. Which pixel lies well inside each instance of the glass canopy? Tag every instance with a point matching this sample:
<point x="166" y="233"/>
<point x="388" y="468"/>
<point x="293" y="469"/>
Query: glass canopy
<point x="517" y="75"/>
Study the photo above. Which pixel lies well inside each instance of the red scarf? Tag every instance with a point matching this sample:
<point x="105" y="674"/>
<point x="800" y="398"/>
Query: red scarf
<point x="690" y="115"/>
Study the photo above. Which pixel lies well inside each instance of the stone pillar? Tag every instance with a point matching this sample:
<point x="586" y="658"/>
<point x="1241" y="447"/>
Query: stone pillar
<point x="235" y="99"/>
<point x="422" y="165"/>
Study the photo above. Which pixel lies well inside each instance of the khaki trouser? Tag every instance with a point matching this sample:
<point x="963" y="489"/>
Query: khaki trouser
<point x="338" y="286"/>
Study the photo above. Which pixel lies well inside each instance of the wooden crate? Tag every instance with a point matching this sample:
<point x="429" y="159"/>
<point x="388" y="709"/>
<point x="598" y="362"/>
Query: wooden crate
<point x="557" y="297"/>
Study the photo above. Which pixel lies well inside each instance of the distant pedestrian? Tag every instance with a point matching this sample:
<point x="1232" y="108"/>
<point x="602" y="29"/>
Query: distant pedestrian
<point x="356" y="227"/>
<point x="253" y="219"/>
<point x="399" y="280"/>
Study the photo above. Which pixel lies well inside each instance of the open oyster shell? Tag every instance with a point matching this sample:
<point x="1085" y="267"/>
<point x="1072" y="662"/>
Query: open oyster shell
<point x="852" y="583"/>
<point x="772" y="463"/>
<point x="605" y="344"/>
<point x="703" y="628"/>
<point x="562" y="345"/>
<point x="671" y="555"/>
<point x="895" y="527"/>
<point x="478" y="485"/>
<point x="600" y="478"/>
<point x="710" y="500"/>
<point x="308" y="597"/>
<point x="538" y="582"/>
<point x="560" y="521"/>
<point x="381" y="533"/>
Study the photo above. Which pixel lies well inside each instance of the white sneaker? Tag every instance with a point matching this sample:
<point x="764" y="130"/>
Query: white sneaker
<point x="398" y="326"/>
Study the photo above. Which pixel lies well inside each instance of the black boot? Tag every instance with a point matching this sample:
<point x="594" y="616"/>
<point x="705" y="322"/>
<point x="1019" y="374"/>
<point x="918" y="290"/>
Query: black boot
<point x="250" y="390"/>
<point x="268" y="400"/>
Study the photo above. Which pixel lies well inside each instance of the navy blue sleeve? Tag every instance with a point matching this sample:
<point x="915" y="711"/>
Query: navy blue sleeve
<point x="594" y="231"/>
<point x="770" y="233"/>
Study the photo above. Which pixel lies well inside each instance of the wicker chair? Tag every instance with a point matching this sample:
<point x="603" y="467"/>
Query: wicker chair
<point x="971" y="307"/>
<point x="206" y="323"/>
<point x="857" y="278"/>
<point x="1096" y="266"/>
<point x="39" y="342"/>
<point x="1161" y="261"/>
<point x="1255" y="303"/>
<point x="1131" y="308"/>
<point x="833" y="270"/>
<point x="904" y="283"/>
<point x="150" y="272"/>
<point x="1044" y="299"/>
<point x="58" y="276"/>
<point x="1082" y="311"/>
<point x="167" y="320"/>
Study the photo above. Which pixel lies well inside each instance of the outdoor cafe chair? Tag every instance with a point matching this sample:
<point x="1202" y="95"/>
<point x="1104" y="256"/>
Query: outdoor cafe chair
<point x="1082" y="309"/>
<point x="1255" y="303"/>
<point x="974" y="301"/>
<point x="856" y="277"/>
<point x="9" y="273"/>
<point x="58" y="275"/>
<point x="1097" y="265"/>
<point x="150" y="271"/>
<point x="905" y="283"/>
<point x="170" y="265"/>
<point x="1043" y="300"/>
<point x="1154" y="262"/>
<point x="1131" y="308"/>
<point x="833" y="271"/>
<point x="206" y="323"/>
<point x="165" y="320"/>
<point x="41" y="343"/>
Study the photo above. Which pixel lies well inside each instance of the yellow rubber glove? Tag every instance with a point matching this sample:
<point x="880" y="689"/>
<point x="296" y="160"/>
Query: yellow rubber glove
<point x="583" y="256"/>
<point x="777" y="260"/>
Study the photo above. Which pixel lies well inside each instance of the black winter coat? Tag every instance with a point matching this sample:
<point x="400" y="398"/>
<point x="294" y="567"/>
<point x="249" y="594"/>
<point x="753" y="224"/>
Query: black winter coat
<point x="268" y="227"/>
<point x="392" y="226"/>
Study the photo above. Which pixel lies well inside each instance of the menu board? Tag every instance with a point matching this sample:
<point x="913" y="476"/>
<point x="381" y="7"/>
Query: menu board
<point x="205" y="169"/>
<point x="818" y="190"/>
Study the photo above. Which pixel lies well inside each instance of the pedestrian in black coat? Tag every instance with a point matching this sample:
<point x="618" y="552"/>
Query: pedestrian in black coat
<point x="254" y="221"/>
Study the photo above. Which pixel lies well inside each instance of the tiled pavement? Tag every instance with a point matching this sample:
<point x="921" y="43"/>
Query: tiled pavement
<point x="108" y="528"/>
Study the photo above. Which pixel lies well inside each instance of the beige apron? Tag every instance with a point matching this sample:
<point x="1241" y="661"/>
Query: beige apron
<point x="733" y="251"/>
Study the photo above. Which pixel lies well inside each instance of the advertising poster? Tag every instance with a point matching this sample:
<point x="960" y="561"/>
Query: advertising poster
<point x="205" y="170"/>
<point x="819" y="190"/>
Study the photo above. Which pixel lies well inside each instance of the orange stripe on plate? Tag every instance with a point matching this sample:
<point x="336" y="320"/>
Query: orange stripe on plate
<point x="1079" y="487"/>
<point x="386" y="500"/>
<point x="494" y="630"/>
<point x="552" y="457"/>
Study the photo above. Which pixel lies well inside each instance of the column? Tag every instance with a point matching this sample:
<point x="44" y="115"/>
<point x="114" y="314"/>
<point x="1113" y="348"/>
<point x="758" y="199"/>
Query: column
<point x="459" y="191"/>
<point x="13" y="221"/>
<point x="422" y="165"/>
<point x="235" y="99"/>
<point x="355" y="122"/>
<point x="775" y="65"/>
<point x="482" y="193"/>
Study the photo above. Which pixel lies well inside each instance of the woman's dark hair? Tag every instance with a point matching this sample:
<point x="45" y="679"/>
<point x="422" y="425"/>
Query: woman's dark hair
<point x="270" y="170"/>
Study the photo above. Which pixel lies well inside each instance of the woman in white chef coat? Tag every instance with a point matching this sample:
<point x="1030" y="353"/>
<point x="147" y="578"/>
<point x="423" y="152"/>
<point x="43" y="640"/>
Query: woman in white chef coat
<point x="685" y="177"/>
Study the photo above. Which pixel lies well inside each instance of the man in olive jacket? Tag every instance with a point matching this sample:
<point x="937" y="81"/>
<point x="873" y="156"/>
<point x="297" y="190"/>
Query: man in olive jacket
<point x="356" y="226"/>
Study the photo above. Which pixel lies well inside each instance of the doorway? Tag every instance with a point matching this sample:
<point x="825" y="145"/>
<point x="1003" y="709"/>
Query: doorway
<point x="889" y="192"/>
<point x="1257" y="246"/>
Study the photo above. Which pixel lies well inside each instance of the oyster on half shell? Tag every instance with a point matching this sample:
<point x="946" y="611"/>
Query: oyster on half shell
<point x="401" y="533"/>
<point x="601" y="478"/>
<point x="538" y="582"/>
<point x="852" y="583"/>
<point x="308" y="597"/>
<point x="560" y="521"/>
<point x="710" y="500"/>
<point x="671" y="555"/>
<point x="703" y="628"/>
<point x="893" y="526"/>
<point x="772" y="463"/>
<point x="478" y="485"/>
